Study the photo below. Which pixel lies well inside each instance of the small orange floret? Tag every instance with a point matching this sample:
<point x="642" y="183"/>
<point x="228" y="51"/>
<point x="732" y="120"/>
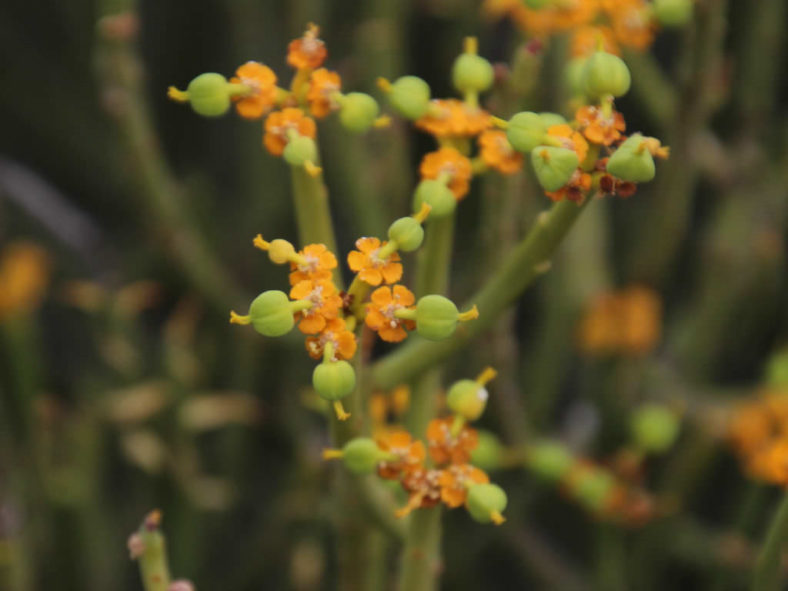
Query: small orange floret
<point x="586" y="40"/>
<point x="454" y="482"/>
<point x="450" y="162"/>
<point x="336" y="333"/>
<point x="599" y="128"/>
<point x="384" y="303"/>
<point x="370" y="267"/>
<point x="24" y="276"/>
<point x="262" y="82"/>
<point x="571" y="139"/>
<point x="558" y="17"/>
<point x="454" y="118"/>
<point x="326" y="303"/>
<point x="575" y="190"/>
<point x="316" y="264"/>
<point x="322" y="85"/>
<point x="307" y="52"/>
<point x="409" y="453"/>
<point x="446" y="448"/>
<point x="498" y="153"/>
<point x="631" y="21"/>
<point x="279" y="123"/>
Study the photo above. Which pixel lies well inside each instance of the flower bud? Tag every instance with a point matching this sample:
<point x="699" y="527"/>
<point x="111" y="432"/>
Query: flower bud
<point x="436" y="317"/>
<point x="486" y="502"/>
<point x="632" y="161"/>
<point x="361" y="455"/>
<point x="358" y="111"/>
<point x="554" y="166"/>
<point x="334" y="380"/>
<point x="593" y="488"/>
<point x="209" y="95"/>
<point x="437" y="195"/>
<point x="525" y="131"/>
<point x="271" y="313"/>
<point x="605" y="74"/>
<point x="300" y="150"/>
<point x="468" y="399"/>
<point x="407" y="233"/>
<point x="673" y="13"/>
<point x="654" y="428"/>
<point x="549" y="459"/>
<point x="489" y="453"/>
<point x="472" y="73"/>
<point x="410" y="96"/>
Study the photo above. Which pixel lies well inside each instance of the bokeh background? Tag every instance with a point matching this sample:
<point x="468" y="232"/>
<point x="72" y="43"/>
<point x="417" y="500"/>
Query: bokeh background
<point x="126" y="224"/>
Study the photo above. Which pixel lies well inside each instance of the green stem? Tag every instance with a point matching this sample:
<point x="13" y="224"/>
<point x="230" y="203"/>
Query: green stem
<point x="520" y="268"/>
<point x="421" y="557"/>
<point x="767" y="568"/>
<point x="154" y="569"/>
<point x="434" y="262"/>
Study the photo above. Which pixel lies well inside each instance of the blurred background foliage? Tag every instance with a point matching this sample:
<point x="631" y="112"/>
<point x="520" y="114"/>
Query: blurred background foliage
<point x="123" y="388"/>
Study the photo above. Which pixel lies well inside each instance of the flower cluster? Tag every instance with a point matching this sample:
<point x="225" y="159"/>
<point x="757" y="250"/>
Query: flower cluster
<point x="440" y="471"/>
<point x="331" y="317"/>
<point x="758" y="431"/>
<point x="290" y="113"/>
<point x="615" y="23"/>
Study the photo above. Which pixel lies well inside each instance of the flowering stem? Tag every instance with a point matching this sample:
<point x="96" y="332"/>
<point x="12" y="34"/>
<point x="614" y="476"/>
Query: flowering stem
<point x="421" y="557"/>
<point x="525" y="263"/>
<point x="767" y="568"/>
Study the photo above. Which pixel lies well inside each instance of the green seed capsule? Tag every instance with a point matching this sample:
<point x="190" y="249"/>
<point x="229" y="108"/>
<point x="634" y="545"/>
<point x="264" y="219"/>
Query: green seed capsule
<point x="209" y="95"/>
<point x="549" y="459"/>
<point x="654" y="428"/>
<point x="300" y="150"/>
<point x="526" y="131"/>
<point x="358" y="111"/>
<point x="554" y="166"/>
<point x="407" y="233"/>
<point x="574" y="74"/>
<point x="271" y="313"/>
<point x="472" y="73"/>
<point x="435" y="194"/>
<point x="550" y="119"/>
<point x="361" y="455"/>
<point x="593" y="488"/>
<point x="410" y="96"/>
<point x="334" y="380"/>
<point x="605" y="74"/>
<point x="536" y="4"/>
<point x="489" y="453"/>
<point x="486" y="502"/>
<point x="777" y="369"/>
<point x="632" y="161"/>
<point x="673" y="13"/>
<point x="436" y="317"/>
<point x="467" y="398"/>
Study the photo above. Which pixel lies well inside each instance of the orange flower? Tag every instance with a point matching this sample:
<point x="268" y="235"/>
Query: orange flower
<point x="371" y="268"/>
<point x="24" y="275"/>
<point x="325" y="304"/>
<point x="423" y="488"/>
<point x="444" y="447"/>
<point x="454" y="483"/>
<point x="452" y="164"/>
<point x="336" y="333"/>
<point x="279" y="123"/>
<point x="322" y="85"/>
<point x="575" y="190"/>
<point x="497" y="152"/>
<point x="772" y="464"/>
<point x="381" y="312"/>
<point x="631" y="21"/>
<point x="410" y="454"/>
<point x="453" y="118"/>
<point x="262" y="80"/>
<point x="585" y="40"/>
<point x="569" y="138"/>
<point x="307" y="52"/>
<point x="599" y="128"/>
<point x="316" y="264"/>
<point x="556" y="18"/>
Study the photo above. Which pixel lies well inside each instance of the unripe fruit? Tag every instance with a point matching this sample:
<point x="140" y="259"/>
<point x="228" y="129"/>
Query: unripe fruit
<point x="467" y="398"/>
<point x="605" y="74"/>
<point x="486" y="500"/>
<point x="673" y="13"/>
<point x="526" y="131"/>
<point x="436" y="317"/>
<point x="574" y="73"/>
<point x="358" y="111"/>
<point x="472" y="73"/>
<point x="271" y="313"/>
<point x="410" y="96"/>
<point x="435" y="194"/>
<point x="554" y="166"/>
<point x="361" y="455"/>
<point x="654" y="428"/>
<point x="536" y="4"/>
<point x="550" y="119"/>
<point x="593" y="488"/>
<point x="407" y="233"/>
<point x="300" y="150"/>
<point x="632" y="161"/>
<point x="549" y="459"/>
<point x="209" y="95"/>
<point x="334" y="380"/>
<point x="489" y="453"/>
